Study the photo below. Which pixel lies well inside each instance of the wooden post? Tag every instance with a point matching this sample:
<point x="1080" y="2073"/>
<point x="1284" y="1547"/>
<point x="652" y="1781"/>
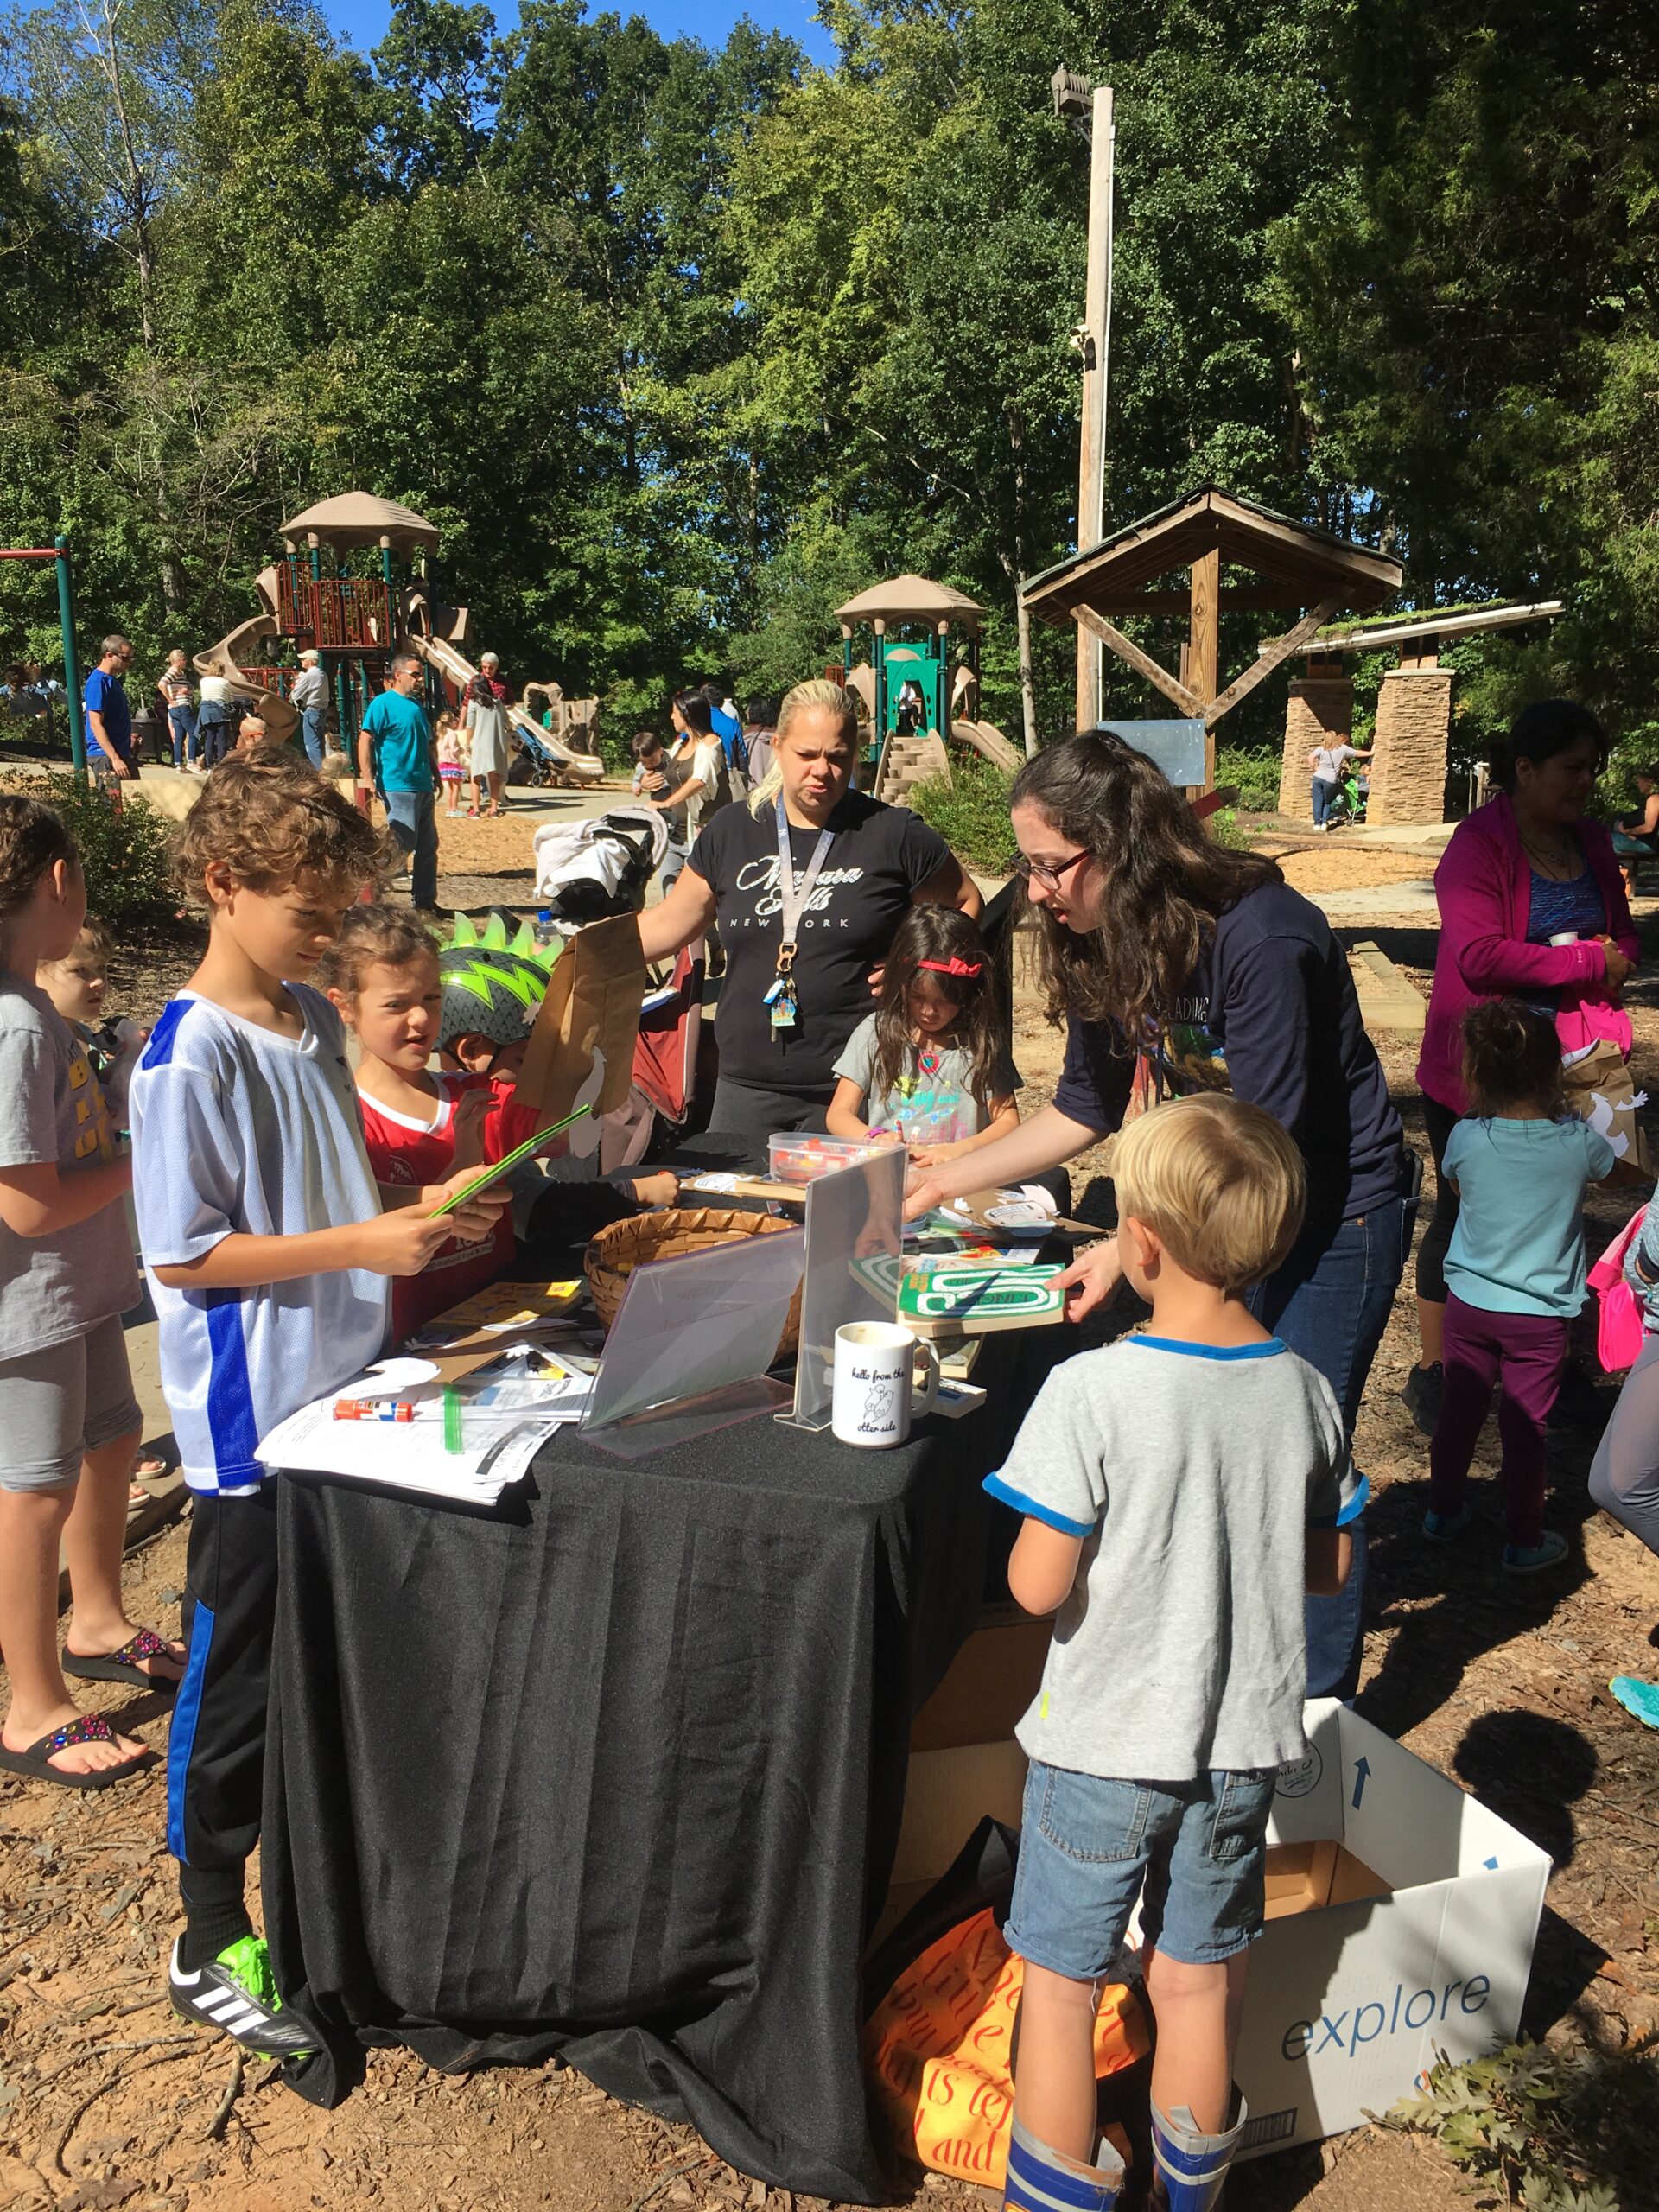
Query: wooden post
<point x="1097" y="319"/>
<point x="1204" y="643"/>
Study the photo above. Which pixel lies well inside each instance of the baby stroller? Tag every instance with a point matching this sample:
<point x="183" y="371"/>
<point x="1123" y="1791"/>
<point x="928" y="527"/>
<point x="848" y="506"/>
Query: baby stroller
<point x="588" y="871"/>
<point x="534" y="765"/>
<point x="1348" y="800"/>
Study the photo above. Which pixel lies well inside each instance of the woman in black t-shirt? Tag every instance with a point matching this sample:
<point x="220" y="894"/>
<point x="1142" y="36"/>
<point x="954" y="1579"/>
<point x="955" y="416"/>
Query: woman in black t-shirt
<point x="856" y="868"/>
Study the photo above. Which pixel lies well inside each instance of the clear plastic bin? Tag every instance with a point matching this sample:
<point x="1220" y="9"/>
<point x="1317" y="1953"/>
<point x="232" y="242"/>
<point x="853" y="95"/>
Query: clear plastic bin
<point x="802" y="1159"/>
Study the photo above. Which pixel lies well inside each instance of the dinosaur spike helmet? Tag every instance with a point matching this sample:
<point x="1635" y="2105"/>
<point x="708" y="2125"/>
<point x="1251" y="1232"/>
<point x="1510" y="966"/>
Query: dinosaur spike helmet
<point x="488" y="994"/>
<point x="498" y="934"/>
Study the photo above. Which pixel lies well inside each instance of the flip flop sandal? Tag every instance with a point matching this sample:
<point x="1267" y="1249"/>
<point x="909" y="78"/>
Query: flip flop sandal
<point x="153" y="1464"/>
<point x="123" y="1666"/>
<point x="1639" y="1699"/>
<point x="86" y="1728"/>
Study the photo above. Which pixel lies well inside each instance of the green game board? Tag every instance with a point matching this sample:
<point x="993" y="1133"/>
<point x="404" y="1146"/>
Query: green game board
<point x="970" y="1302"/>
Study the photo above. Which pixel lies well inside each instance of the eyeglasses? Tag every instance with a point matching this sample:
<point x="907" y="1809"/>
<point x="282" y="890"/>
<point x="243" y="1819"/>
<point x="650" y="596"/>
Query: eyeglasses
<point x="1037" y="871"/>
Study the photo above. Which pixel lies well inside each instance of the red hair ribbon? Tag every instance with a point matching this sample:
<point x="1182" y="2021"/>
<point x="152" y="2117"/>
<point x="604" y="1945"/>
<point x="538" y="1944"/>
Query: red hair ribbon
<point x="952" y="966"/>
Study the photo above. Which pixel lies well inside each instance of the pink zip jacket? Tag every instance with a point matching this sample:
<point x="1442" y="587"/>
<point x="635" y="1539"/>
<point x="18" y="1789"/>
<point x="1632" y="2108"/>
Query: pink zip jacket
<point x="1484" y="885"/>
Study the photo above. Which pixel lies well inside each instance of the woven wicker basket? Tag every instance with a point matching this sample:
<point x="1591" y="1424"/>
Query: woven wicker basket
<point x="614" y="1254"/>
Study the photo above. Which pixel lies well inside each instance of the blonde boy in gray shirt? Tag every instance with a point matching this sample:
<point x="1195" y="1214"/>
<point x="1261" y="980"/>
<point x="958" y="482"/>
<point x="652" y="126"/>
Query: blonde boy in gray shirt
<point x="1181" y="1489"/>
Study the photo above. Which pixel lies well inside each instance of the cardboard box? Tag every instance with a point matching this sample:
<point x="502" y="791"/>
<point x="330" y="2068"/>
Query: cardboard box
<point x="1348" y="2002"/>
<point x="1307" y="1877"/>
<point x="1401" y="1913"/>
<point x="988" y="1686"/>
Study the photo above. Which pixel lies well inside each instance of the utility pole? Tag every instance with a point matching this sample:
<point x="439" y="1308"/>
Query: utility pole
<point x="1090" y="112"/>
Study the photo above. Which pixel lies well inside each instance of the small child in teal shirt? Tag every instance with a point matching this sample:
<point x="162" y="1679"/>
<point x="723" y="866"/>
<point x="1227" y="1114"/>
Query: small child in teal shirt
<point x="1515" y="1271"/>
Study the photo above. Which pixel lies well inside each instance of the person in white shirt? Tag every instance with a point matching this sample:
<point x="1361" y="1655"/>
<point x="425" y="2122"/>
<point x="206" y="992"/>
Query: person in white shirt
<point x="174" y="686"/>
<point x="1327" y="762"/>
<point x="310" y="696"/>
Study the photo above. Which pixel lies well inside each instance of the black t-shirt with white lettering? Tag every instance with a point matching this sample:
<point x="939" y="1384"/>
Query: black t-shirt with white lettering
<point x="880" y="856"/>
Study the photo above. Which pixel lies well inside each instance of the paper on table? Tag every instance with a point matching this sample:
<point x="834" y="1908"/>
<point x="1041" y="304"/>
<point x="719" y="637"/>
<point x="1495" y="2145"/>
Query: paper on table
<point x="390" y="1379"/>
<point x="501" y="1306"/>
<point x="403" y="1456"/>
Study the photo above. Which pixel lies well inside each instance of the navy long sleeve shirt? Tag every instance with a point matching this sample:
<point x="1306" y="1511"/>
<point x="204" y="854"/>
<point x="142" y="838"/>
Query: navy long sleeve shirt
<point x="1270" y="1013"/>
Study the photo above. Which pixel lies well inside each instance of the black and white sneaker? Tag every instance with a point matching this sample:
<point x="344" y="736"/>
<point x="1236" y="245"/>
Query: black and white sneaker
<point x="236" y="1991"/>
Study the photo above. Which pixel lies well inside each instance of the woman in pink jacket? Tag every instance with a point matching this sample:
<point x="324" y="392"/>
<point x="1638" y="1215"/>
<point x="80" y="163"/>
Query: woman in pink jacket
<point x="1533" y="907"/>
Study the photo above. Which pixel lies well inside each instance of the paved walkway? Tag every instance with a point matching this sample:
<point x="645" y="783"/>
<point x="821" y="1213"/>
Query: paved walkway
<point x="1414" y="896"/>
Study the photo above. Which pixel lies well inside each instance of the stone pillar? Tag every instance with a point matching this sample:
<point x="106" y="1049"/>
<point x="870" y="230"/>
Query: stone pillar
<point x="1413" y="713"/>
<point x="1321" y="711"/>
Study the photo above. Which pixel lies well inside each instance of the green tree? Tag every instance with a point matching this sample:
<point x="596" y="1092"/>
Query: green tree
<point x="1474" y="295"/>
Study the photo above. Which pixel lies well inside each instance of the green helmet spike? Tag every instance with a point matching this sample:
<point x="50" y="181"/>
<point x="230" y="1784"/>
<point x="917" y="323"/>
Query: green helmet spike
<point x="463" y="933"/>
<point x="524" y="943"/>
<point x="494" y="938"/>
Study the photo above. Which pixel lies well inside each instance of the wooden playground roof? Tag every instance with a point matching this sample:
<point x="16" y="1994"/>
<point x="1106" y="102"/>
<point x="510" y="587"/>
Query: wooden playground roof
<point x="355" y="518"/>
<point x="909" y="598"/>
<point x="1299" y="565"/>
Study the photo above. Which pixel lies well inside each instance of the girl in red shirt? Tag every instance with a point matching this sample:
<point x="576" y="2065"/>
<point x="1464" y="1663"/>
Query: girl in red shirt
<point x="421" y="1126"/>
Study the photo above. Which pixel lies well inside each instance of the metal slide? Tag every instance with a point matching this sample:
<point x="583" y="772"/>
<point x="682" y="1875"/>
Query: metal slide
<point x="581" y="767"/>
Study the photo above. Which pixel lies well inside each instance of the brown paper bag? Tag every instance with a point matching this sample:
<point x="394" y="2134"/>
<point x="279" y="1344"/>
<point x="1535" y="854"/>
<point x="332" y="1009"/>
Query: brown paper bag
<point x="593" y="1003"/>
<point x="1600" y="1090"/>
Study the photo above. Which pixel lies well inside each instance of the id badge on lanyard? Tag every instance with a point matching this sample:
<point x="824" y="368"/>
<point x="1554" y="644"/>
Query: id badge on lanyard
<point x="782" y="1001"/>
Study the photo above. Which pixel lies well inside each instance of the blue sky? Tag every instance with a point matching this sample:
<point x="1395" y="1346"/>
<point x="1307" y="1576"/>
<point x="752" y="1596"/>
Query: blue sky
<point x="363" y="22"/>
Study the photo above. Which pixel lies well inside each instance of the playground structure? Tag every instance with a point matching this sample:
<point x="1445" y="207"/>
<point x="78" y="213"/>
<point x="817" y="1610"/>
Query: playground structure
<point x="1413" y="707"/>
<point x="58" y="553"/>
<point x="356" y="623"/>
<point x="1290" y="565"/>
<point x="909" y="691"/>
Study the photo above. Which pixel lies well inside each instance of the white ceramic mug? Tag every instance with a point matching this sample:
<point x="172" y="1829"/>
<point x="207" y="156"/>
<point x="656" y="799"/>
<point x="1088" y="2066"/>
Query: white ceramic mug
<point x="1566" y="937"/>
<point x="876" y="1391"/>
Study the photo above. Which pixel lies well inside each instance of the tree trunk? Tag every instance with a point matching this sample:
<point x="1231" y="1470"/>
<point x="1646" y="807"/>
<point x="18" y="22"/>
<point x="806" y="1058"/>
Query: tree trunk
<point x="1014" y="570"/>
<point x="1027" y="680"/>
<point x="137" y="183"/>
<point x="138" y="201"/>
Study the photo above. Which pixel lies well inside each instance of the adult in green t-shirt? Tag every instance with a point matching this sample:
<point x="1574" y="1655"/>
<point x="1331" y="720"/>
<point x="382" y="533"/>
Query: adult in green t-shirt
<point x="396" y="755"/>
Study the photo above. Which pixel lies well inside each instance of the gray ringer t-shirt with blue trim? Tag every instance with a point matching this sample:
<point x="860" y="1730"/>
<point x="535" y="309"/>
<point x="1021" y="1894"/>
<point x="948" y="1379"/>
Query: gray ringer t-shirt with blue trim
<point x="1193" y="1473"/>
<point x="236" y="1129"/>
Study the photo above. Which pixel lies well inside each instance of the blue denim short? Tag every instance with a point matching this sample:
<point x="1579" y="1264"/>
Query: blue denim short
<point x="1088" y="1845"/>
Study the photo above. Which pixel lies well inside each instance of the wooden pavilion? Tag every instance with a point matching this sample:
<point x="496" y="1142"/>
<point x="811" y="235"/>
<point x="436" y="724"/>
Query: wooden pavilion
<point x="1288" y="565"/>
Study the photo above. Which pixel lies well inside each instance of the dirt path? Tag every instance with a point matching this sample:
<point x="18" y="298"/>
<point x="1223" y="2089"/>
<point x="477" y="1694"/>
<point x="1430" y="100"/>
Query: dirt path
<point x="106" y="2100"/>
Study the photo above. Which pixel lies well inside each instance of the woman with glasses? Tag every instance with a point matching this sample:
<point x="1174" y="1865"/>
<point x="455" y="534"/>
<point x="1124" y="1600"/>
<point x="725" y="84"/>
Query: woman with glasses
<point x="1180" y="966"/>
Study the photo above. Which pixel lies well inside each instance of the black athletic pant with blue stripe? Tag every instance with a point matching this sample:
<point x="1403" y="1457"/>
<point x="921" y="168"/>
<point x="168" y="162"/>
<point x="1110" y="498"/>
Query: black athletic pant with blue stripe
<point x="216" y="1754"/>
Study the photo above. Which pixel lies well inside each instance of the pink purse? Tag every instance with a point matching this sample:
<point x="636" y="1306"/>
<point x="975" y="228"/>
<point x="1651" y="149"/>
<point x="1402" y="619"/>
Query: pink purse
<point x="1619" y="1328"/>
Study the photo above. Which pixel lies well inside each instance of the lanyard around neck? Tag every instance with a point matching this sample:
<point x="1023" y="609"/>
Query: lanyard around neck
<point x="793" y="897"/>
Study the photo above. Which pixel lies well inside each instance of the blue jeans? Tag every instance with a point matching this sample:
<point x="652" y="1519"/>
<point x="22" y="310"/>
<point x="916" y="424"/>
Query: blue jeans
<point x="1324" y="792"/>
<point x="412" y="817"/>
<point x="1329" y="1302"/>
<point x="312" y="721"/>
<point x="182" y="721"/>
<point x="1087" y="1843"/>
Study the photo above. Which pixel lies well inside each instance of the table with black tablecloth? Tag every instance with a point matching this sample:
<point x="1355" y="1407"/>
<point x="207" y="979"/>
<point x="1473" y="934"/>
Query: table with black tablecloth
<point x="617" y="1772"/>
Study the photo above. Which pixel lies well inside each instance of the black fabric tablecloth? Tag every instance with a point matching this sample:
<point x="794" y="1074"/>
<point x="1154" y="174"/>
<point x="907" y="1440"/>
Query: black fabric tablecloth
<point x="618" y="1775"/>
